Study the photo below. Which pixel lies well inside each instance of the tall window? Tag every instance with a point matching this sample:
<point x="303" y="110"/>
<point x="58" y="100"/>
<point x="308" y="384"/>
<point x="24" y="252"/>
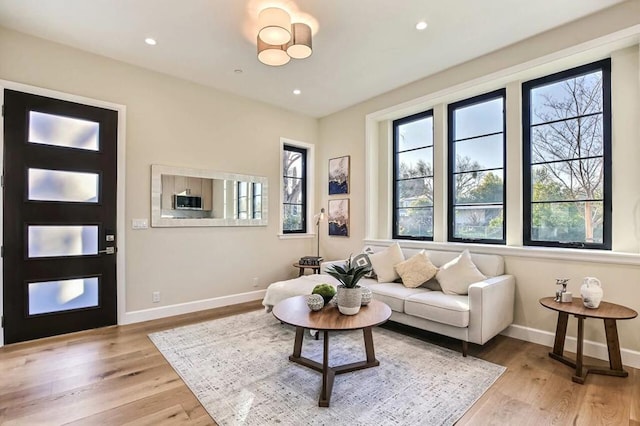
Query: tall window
<point x="294" y="166"/>
<point x="257" y="200"/>
<point x="476" y="169"/>
<point x="567" y="158"/>
<point x="413" y="177"/>
<point x="243" y="198"/>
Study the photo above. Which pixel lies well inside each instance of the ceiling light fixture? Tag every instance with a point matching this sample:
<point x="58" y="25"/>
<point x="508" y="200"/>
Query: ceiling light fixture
<point x="296" y="91"/>
<point x="279" y="40"/>
<point x="150" y="41"/>
<point x="421" y="26"/>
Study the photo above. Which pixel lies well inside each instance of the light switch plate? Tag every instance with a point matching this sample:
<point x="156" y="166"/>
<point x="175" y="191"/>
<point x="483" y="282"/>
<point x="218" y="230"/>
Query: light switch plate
<point x="140" y="223"/>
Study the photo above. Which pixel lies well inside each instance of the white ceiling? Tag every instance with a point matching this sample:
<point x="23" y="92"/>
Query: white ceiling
<point x="361" y="48"/>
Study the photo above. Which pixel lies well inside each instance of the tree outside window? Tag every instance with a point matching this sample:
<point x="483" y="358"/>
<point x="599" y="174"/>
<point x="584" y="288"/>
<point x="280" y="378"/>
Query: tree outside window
<point x="567" y="149"/>
<point x="294" y="161"/>
<point x="476" y="169"/>
<point x="413" y="177"/>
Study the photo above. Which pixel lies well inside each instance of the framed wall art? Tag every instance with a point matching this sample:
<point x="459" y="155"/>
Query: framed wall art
<point x="339" y="175"/>
<point x="339" y="217"/>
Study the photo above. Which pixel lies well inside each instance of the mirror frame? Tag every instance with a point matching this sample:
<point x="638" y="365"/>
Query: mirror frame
<point x="157" y="221"/>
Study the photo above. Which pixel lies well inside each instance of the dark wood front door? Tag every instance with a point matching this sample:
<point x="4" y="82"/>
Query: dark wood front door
<point x="59" y="216"/>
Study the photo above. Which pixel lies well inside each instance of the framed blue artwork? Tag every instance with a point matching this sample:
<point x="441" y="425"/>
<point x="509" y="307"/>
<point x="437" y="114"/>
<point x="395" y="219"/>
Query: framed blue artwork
<point x="339" y="175"/>
<point x="339" y="217"/>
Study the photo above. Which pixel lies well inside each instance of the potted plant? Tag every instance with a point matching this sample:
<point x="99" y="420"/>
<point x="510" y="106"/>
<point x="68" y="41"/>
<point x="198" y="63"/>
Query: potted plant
<point x="349" y="296"/>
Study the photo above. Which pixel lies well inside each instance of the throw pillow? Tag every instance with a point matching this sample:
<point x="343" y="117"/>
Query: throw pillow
<point x="417" y="270"/>
<point x="384" y="261"/>
<point x="456" y="276"/>
<point x="362" y="259"/>
<point x="432" y="285"/>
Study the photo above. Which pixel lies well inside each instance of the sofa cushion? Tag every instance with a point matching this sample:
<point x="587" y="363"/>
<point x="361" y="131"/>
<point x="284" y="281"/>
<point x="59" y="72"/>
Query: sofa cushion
<point x="416" y="270"/>
<point x="394" y="294"/>
<point x="384" y="261"/>
<point x="439" y="307"/>
<point x="456" y="276"/>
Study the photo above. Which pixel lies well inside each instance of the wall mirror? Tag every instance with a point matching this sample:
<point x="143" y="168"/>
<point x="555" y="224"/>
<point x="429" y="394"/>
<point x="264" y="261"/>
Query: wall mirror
<point x="193" y="197"/>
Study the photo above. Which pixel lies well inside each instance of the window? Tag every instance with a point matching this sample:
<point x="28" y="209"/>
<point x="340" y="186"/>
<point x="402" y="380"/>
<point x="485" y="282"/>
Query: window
<point x="567" y="158"/>
<point x="476" y="169"/>
<point x="243" y="198"/>
<point x="257" y="200"/>
<point x="294" y="192"/>
<point x="413" y="177"/>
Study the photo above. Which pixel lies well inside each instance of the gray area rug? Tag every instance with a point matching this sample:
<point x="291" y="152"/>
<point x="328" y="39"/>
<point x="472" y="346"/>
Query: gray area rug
<point x="238" y="368"/>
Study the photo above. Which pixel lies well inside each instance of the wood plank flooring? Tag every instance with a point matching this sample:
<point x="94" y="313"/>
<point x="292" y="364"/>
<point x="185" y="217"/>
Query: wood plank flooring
<point x="116" y="376"/>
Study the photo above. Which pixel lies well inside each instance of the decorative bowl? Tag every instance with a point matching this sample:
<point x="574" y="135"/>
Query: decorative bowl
<point x="315" y="302"/>
<point x="366" y="296"/>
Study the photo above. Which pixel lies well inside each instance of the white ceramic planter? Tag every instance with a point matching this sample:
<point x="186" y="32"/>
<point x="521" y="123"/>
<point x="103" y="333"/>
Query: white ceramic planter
<point x="349" y="300"/>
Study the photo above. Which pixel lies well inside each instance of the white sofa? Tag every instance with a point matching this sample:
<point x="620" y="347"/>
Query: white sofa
<point x="476" y="317"/>
<point x="484" y="312"/>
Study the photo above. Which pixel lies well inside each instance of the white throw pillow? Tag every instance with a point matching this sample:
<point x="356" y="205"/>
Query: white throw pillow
<point x="417" y="270"/>
<point x="456" y="276"/>
<point x="383" y="263"/>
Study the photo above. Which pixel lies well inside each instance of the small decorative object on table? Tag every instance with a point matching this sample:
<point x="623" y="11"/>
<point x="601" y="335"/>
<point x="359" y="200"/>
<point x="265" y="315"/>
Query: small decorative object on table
<point x="327" y="292"/>
<point x="310" y="261"/>
<point x="367" y="295"/>
<point x="562" y="295"/>
<point x="349" y="292"/>
<point x="591" y="292"/>
<point x="315" y="302"/>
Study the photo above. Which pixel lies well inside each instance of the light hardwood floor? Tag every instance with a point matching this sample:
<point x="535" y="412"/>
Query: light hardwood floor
<point x="116" y="376"/>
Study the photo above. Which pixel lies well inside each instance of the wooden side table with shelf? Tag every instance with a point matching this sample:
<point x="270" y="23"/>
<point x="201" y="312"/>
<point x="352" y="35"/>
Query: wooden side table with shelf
<point x="610" y="313"/>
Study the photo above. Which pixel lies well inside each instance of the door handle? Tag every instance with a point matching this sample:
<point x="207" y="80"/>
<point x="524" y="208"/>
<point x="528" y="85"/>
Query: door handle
<point x="108" y="250"/>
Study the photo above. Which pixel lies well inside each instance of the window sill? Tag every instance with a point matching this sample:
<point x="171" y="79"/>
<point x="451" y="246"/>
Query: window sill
<point x="575" y="255"/>
<point x="295" y="236"/>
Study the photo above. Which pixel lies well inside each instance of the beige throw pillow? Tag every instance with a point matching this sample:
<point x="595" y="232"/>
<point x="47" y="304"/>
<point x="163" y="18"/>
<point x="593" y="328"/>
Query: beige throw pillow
<point x="456" y="276"/>
<point x="384" y="261"/>
<point x="417" y="270"/>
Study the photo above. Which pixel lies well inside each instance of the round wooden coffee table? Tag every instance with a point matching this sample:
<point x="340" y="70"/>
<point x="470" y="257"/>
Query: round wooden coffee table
<point x="294" y="311"/>
<point x="609" y="312"/>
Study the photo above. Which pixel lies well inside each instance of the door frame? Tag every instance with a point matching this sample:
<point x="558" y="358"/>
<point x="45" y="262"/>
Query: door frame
<point x="120" y="187"/>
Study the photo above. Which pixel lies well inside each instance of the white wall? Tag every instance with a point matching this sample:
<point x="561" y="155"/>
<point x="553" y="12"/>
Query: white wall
<point x="178" y="123"/>
<point x="363" y="130"/>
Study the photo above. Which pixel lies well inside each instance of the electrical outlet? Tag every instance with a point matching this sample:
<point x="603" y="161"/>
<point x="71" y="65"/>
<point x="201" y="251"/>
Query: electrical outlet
<point x="155" y="297"/>
<point x="256" y="282"/>
<point x="139" y="224"/>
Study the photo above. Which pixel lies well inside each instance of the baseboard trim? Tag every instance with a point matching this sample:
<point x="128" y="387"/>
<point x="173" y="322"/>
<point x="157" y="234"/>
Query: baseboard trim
<point x="189" y="307"/>
<point x="593" y="349"/>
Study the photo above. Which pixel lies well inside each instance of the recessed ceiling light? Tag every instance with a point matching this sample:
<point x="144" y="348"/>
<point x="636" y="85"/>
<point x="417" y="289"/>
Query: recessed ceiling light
<point x="150" y="41"/>
<point x="421" y="26"/>
<point x="238" y="71"/>
<point x="296" y="91"/>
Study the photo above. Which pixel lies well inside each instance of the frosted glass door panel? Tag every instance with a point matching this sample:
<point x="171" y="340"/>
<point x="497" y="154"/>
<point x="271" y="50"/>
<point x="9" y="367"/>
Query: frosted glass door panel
<point x="62" y="295"/>
<point x="50" y="129"/>
<point x="53" y="241"/>
<point x="58" y="185"/>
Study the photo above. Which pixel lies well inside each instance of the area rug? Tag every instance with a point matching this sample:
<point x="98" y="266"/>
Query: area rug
<point x="238" y="368"/>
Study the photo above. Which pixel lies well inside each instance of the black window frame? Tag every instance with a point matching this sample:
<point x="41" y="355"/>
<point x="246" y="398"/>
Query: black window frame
<point x="256" y="213"/>
<point x="605" y="67"/>
<point x="303" y="174"/>
<point x="395" y="207"/>
<point x="451" y="185"/>
<point x="239" y="185"/>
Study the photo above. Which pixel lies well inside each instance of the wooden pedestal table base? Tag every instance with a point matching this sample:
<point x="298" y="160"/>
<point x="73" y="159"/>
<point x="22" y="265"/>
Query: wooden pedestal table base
<point x="609" y="312"/>
<point x="294" y="311"/>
